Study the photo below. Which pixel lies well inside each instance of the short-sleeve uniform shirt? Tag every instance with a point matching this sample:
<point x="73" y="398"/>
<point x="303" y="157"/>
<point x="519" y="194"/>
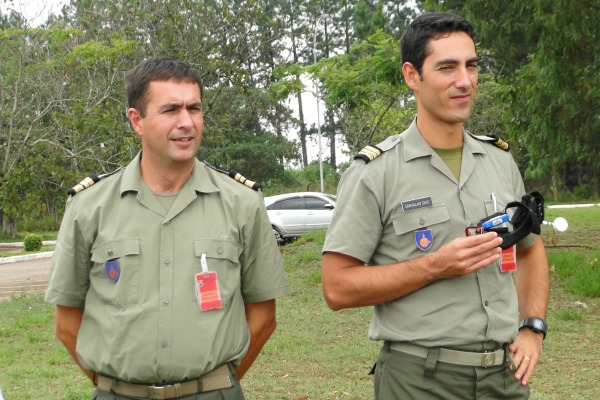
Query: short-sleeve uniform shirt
<point x="407" y="203"/>
<point x="132" y="266"/>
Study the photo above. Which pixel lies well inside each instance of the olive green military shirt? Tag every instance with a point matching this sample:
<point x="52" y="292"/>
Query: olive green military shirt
<point x="407" y="203"/>
<point x="146" y="326"/>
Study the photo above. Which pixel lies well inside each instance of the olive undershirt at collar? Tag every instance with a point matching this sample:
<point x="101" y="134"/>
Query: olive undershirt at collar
<point x="452" y="158"/>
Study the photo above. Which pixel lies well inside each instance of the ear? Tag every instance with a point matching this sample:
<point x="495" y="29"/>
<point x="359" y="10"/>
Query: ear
<point x="411" y="75"/>
<point x="136" y="120"/>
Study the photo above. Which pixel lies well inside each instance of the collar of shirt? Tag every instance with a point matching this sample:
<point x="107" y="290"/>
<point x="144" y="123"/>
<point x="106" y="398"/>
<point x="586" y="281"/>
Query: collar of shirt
<point x="199" y="179"/>
<point x="415" y="146"/>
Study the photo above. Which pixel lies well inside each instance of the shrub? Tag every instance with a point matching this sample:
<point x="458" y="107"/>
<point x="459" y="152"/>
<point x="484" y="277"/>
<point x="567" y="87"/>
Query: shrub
<point x="32" y="242"/>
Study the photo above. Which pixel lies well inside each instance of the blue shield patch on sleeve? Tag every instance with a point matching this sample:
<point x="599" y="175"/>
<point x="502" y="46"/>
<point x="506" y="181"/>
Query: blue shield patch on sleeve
<point x="424" y="239"/>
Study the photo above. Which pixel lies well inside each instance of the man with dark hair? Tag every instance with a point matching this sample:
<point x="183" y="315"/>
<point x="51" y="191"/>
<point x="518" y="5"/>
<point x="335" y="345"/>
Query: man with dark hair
<point x="165" y="272"/>
<point x="445" y="304"/>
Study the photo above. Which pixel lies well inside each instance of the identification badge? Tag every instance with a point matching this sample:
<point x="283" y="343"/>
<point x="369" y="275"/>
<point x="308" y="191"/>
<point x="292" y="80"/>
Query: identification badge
<point x="508" y="260"/>
<point x="208" y="293"/>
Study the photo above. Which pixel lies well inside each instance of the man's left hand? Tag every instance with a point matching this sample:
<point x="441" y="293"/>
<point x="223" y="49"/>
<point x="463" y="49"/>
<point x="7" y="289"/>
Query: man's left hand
<point x="526" y="352"/>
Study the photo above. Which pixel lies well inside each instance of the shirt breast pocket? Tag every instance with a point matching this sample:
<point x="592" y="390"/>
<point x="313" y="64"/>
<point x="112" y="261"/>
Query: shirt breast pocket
<point x="406" y="223"/>
<point x="115" y="270"/>
<point x="222" y="257"/>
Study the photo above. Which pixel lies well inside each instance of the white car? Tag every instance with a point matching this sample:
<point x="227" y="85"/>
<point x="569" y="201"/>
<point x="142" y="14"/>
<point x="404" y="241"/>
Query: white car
<point x="293" y="214"/>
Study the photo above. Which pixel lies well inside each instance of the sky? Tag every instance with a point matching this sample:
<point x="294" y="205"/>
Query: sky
<point x="35" y="11"/>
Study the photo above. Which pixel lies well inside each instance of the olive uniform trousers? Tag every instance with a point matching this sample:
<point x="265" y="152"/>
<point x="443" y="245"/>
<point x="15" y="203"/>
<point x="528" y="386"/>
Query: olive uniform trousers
<point x="401" y="376"/>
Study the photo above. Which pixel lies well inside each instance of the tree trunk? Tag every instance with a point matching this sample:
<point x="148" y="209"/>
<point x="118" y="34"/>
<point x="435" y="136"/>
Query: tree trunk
<point x="302" y="129"/>
<point x="332" y="127"/>
<point x="8" y="225"/>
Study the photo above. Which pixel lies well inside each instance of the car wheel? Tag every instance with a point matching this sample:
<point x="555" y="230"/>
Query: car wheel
<point x="278" y="237"/>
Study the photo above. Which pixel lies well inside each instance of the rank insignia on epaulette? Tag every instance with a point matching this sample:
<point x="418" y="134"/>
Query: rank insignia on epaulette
<point x="243" y="180"/>
<point x="493" y="139"/>
<point x="369" y="153"/>
<point x="87" y="182"/>
<point x="499" y="142"/>
<point x="237" y="176"/>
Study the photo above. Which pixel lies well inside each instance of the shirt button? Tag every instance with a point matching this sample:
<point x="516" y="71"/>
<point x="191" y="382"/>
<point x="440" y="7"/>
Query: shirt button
<point x="487" y="303"/>
<point x="164" y="344"/>
<point x="421" y="221"/>
<point x="110" y="253"/>
<point x="167" y="261"/>
<point x="167" y="222"/>
<point x="166" y="301"/>
<point x="220" y="250"/>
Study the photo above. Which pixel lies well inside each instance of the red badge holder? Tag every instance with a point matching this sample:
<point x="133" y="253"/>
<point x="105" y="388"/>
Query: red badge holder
<point x="208" y="293"/>
<point x="508" y="260"/>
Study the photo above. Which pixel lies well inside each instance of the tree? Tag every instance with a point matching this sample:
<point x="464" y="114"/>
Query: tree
<point x="556" y="97"/>
<point x="59" y="115"/>
<point x="368" y="19"/>
<point x="237" y="140"/>
<point x="545" y="55"/>
<point x="366" y="86"/>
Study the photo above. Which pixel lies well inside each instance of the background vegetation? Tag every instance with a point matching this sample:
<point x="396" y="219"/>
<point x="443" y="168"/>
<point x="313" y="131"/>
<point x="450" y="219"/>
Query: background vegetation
<point x="316" y="354"/>
<point x="62" y="100"/>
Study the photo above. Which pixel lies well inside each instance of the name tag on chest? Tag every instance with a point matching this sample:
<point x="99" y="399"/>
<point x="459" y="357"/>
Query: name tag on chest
<point x="408" y="205"/>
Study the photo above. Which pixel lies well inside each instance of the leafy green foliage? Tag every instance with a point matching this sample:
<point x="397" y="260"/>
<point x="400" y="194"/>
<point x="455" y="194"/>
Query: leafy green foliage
<point x="32" y="242"/>
<point x="556" y="96"/>
<point x="63" y="108"/>
<point x="304" y="180"/>
<point x="365" y="86"/>
<point x="545" y="55"/>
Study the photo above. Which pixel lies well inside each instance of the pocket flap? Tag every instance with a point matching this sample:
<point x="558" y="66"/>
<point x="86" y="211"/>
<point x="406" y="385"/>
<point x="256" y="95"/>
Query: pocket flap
<point x="216" y="248"/>
<point x="116" y="248"/>
<point x="420" y="219"/>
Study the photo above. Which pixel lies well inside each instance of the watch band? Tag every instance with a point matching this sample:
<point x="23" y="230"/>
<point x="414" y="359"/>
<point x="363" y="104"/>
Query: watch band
<point x="536" y="324"/>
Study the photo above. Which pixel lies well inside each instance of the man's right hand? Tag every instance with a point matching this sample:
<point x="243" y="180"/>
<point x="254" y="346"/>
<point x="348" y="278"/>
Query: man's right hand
<point x="465" y="255"/>
<point x="348" y="283"/>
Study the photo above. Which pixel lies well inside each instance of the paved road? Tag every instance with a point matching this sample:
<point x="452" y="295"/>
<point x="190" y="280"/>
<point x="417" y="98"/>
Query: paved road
<point x="23" y="277"/>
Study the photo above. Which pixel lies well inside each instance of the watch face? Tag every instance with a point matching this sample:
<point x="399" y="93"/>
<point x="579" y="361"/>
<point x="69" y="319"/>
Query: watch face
<point x="538" y="324"/>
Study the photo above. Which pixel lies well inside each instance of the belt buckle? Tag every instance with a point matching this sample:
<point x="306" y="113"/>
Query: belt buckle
<point x="157" y="392"/>
<point x="488" y="359"/>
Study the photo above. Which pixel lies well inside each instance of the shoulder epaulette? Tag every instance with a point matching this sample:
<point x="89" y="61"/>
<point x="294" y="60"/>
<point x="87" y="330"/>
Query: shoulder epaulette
<point x="495" y="140"/>
<point x="243" y="180"/>
<point x="87" y="182"/>
<point x="368" y="153"/>
<point x="371" y="152"/>
<point x="238" y="177"/>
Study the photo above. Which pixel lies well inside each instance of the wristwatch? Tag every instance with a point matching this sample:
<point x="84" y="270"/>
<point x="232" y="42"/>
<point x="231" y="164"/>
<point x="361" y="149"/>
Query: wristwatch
<point x="536" y="324"/>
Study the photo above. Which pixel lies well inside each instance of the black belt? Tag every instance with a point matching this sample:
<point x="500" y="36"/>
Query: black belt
<point x="467" y="358"/>
<point x="219" y="378"/>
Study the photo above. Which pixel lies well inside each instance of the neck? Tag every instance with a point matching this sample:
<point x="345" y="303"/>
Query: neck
<point x="165" y="180"/>
<point x="439" y="134"/>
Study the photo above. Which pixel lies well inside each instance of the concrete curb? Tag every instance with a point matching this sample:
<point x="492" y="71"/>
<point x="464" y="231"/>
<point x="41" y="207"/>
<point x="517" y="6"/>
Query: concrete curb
<point x="26" y="257"/>
<point x="21" y="244"/>
<point x="573" y="205"/>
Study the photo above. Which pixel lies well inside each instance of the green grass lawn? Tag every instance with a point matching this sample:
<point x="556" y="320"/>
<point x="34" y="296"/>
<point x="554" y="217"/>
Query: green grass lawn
<point x="319" y="354"/>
